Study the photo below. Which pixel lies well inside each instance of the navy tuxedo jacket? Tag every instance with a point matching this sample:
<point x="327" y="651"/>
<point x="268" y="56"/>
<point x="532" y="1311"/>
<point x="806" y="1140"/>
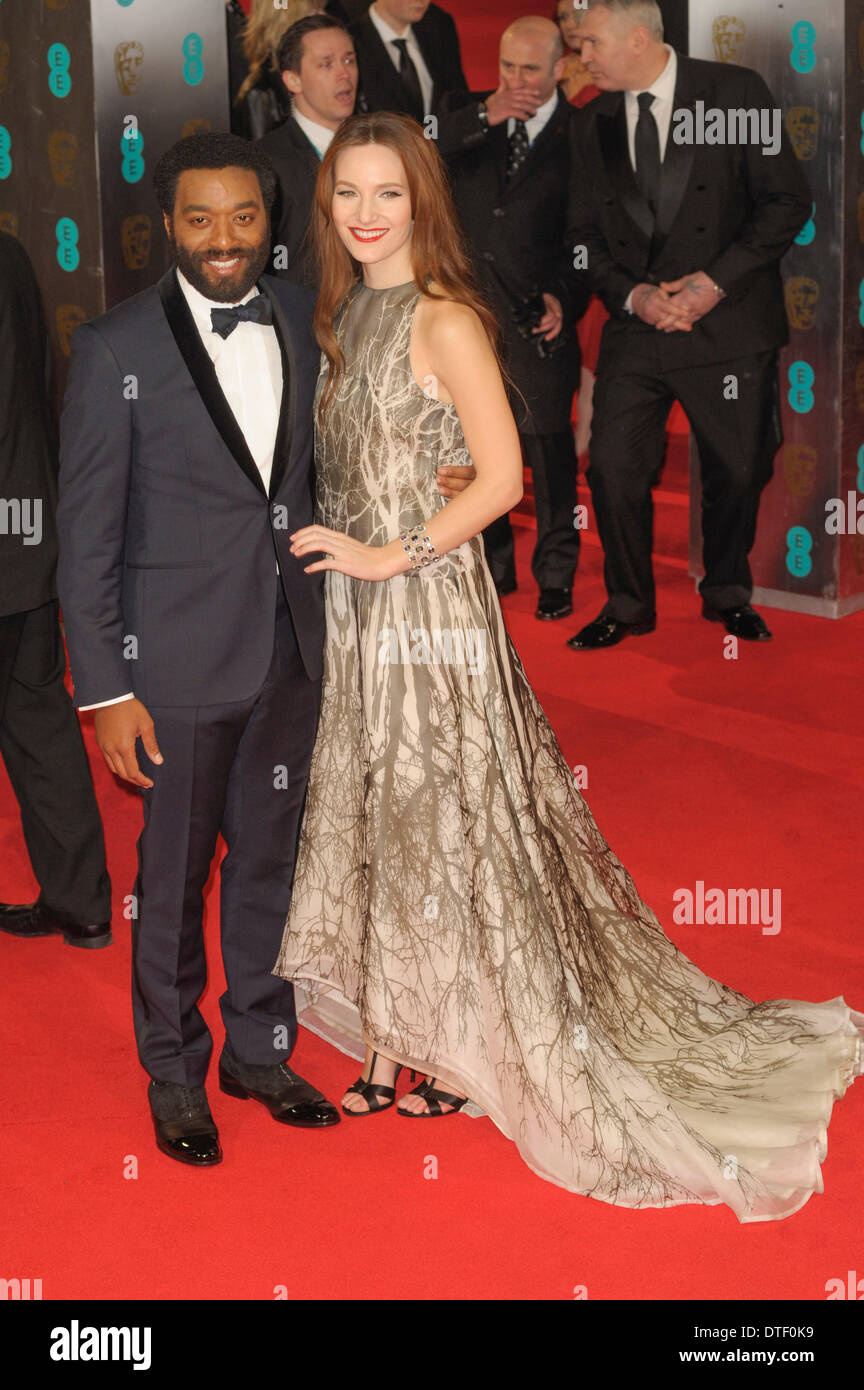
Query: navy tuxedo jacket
<point x="168" y="541"/>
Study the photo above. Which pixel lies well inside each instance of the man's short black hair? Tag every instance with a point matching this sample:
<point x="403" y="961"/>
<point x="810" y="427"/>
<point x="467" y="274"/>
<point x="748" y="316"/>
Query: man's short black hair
<point x="289" y="55"/>
<point x="215" y="150"/>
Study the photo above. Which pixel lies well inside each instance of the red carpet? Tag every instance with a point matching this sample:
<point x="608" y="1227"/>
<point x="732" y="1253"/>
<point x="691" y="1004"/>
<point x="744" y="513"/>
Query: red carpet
<point x="738" y="773"/>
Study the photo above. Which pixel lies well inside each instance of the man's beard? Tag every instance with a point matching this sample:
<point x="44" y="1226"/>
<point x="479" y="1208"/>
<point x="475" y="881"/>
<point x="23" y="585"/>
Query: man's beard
<point x="252" y="265"/>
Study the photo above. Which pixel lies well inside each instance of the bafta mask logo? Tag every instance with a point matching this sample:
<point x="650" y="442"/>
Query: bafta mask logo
<point x="859" y="388"/>
<point x="68" y="318"/>
<point x="196" y="125"/>
<point x="728" y="34"/>
<point x="802" y="123"/>
<point x="135" y="241"/>
<point x="5" y="64"/>
<point x="800" y="462"/>
<point x="802" y="299"/>
<point x="129" y="66"/>
<point x="63" y="157"/>
<point x="9" y="223"/>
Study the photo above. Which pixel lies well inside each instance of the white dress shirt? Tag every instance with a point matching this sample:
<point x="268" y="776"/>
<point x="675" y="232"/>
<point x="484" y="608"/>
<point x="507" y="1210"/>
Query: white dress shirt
<point x="318" y="135"/>
<point x="387" y="36"/>
<point x="535" y="123"/>
<point x="663" y="89"/>
<point x="249" y="369"/>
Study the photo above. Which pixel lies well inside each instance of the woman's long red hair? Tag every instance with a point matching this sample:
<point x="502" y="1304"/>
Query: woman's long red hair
<point x="438" y="253"/>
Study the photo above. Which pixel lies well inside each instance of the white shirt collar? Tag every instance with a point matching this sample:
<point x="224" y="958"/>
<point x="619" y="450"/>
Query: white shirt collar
<point x="384" y="29"/>
<point x="542" y="114"/>
<point x="201" y="306"/>
<point x="317" y="135"/>
<point x="663" y="87"/>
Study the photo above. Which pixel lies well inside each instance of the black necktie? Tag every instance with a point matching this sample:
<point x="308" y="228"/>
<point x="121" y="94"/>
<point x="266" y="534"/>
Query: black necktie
<point x="257" y="310"/>
<point x="518" y="149"/>
<point x="648" y="167"/>
<point x="410" y="80"/>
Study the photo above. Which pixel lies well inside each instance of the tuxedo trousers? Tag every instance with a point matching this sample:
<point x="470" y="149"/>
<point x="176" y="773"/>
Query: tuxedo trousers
<point x="552" y="460"/>
<point x="238" y="769"/>
<point x="734" y="412"/>
<point x="44" y="754"/>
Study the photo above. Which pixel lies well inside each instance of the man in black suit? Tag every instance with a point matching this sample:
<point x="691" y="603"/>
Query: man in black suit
<point x="684" y="241"/>
<point x="319" y="69"/>
<point x="409" y="58"/>
<point x="509" y="155"/>
<point x="186" y="445"/>
<point x="40" y="739"/>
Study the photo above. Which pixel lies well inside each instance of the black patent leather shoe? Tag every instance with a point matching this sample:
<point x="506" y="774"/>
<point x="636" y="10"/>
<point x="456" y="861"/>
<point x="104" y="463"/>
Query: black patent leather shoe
<point x="184" y="1127"/>
<point x="607" y="632"/>
<point x="743" y="622"/>
<point x="34" y="919"/>
<point x="554" y="603"/>
<point x="290" y="1099"/>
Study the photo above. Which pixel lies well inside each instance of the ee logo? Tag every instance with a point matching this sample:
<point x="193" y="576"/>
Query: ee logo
<point x="193" y="67"/>
<point x="5" y="157"/>
<point x="799" y="560"/>
<point x="801" y="378"/>
<point x="802" y="57"/>
<point x="68" y="257"/>
<point x="59" y="81"/>
<point x="807" y="234"/>
<point x="860" y="479"/>
<point x="132" y="147"/>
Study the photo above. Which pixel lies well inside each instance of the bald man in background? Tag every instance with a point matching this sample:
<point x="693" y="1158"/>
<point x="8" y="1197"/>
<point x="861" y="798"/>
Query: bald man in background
<point x="509" y="157"/>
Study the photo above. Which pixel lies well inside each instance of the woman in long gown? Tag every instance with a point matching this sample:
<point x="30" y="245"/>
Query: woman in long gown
<point x="455" y="908"/>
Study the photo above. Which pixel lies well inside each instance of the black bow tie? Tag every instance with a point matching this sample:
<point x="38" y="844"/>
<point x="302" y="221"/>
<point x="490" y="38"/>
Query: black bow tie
<point x="257" y="310"/>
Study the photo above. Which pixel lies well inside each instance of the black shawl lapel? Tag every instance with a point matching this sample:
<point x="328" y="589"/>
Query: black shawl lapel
<point x="285" y="433"/>
<point x="203" y="374"/>
<point x="614" y="150"/>
<point x="678" y="159"/>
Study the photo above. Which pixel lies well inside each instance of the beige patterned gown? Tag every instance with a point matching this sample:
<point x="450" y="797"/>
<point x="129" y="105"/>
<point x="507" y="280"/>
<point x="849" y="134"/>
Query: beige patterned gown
<point x="454" y="901"/>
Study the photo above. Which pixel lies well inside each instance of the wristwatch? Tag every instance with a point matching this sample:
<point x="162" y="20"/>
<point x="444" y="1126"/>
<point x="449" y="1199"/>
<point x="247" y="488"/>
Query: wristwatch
<point x="483" y="115"/>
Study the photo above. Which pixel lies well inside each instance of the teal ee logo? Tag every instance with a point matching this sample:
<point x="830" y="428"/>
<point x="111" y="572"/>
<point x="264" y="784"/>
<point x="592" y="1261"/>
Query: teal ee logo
<point x="125" y="3"/>
<point x="807" y="233"/>
<point x="132" y="148"/>
<point x="861" y="304"/>
<point x="802" y="57"/>
<point x="799" y="561"/>
<point x="860" y="479"/>
<point x="193" y="67"/>
<point x="5" y="157"/>
<point x="801" y="379"/>
<point x="68" y="257"/>
<point x="59" y="81"/>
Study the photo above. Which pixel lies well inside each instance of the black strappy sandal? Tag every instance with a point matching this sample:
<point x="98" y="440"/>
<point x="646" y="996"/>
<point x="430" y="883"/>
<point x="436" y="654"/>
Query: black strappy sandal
<point x="371" y="1091"/>
<point x="434" y="1099"/>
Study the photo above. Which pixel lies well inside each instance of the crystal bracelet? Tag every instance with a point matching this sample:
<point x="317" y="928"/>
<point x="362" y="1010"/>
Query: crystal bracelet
<point x="417" y="546"/>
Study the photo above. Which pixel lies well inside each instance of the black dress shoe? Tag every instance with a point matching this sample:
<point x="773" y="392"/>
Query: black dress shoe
<point x="554" y="603"/>
<point x="290" y="1099"/>
<point x="607" y="632"/>
<point x="503" y="587"/>
<point x="34" y="919"/>
<point x="185" y="1129"/>
<point x="743" y="622"/>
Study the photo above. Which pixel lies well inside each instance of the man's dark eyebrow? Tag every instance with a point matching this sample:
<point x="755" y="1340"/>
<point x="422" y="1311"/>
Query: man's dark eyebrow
<point x="204" y="207"/>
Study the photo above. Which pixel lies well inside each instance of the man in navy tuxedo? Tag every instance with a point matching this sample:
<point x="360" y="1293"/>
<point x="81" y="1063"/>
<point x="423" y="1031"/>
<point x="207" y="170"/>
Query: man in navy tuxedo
<point x="185" y="465"/>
